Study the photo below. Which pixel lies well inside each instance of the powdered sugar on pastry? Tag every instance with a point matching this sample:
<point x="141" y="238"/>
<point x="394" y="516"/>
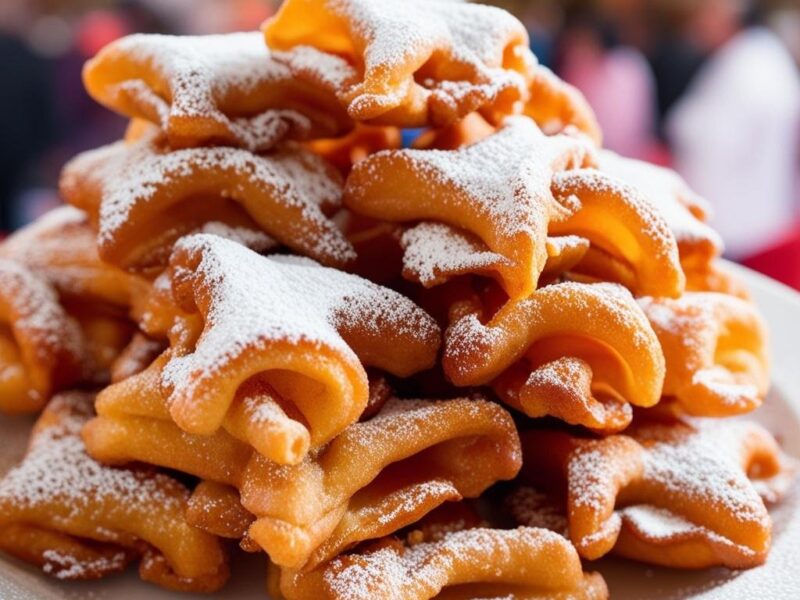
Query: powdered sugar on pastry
<point x="670" y="195"/>
<point x="126" y="183"/>
<point x="219" y="88"/>
<point x="435" y="251"/>
<point x="498" y="189"/>
<point x="255" y="300"/>
<point x="476" y="55"/>
<point x="57" y="468"/>
<point x="51" y="346"/>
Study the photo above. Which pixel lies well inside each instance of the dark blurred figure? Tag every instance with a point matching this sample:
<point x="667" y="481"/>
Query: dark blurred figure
<point x="614" y="77"/>
<point x="27" y="121"/>
<point x="674" y="56"/>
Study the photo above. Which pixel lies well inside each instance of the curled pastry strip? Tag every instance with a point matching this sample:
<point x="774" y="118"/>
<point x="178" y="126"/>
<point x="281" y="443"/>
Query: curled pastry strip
<point x="79" y="519"/>
<point x="618" y="220"/>
<point x="676" y="494"/>
<point x="304" y="329"/>
<point x="555" y="105"/>
<point x="683" y="210"/>
<point x="420" y="63"/>
<point x="434" y="253"/>
<point x="217" y="509"/>
<point x="61" y="247"/>
<point x="498" y="189"/>
<point x="580" y="352"/>
<point x="482" y="562"/>
<point x="42" y="348"/>
<point x="716" y="352"/>
<point x="143" y="197"/>
<point x="411" y="457"/>
<point x="220" y="89"/>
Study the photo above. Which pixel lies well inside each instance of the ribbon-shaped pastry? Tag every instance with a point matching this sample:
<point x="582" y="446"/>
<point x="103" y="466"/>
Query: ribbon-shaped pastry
<point x="42" y="348"/>
<point x="450" y="553"/>
<point x="61" y="247"/>
<point x="497" y="189"/>
<point x="583" y="353"/>
<point x="434" y="253"/>
<point x="78" y="519"/>
<point x="292" y="334"/>
<point x="685" y="212"/>
<point x="418" y="63"/>
<point x="716" y="352"/>
<point x="142" y="197"/>
<point x="685" y="495"/>
<point x="374" y="478"/>
<point x="624" y="229"/>
<point x="221" y="89"/>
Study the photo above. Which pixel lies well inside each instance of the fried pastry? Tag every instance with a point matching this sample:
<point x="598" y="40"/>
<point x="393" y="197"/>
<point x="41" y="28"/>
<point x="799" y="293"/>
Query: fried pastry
<point x="140" y="352"/>
<point x="142" y="197"/>
<point x="77" y="519"/>
<point x="434" y="253"/>
<point x="622" y="225"/>
<point x="680" y="494"/>
<point x="374" y="478"/>
<point x="362" y="141"/>
<point x="216" y="508"/>
<point x="715" y="277"/>
<point x="583" y="353"/>
<point x="683" y="210"/>
<point x="556" y="105"/>
<point x="497" y="189"/>
<point x="221" y="89"/>
<point x="522" y="563"/>
<point x="61" y="247"/>
<point x="715" y="346"/>
<point x="295" y="332"/>
<point x="419" y="63"/>
<point x="42" y="348"/>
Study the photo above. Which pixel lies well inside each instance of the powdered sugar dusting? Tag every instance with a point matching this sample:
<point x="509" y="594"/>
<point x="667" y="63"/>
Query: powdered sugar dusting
<point x="705" y="465"/>
<point x="532" y="508"/>
<point x="66" y="567"/>
<point x="435" y="251"/>
<point x="251" y="238"/>
<point x="398" y="38"/>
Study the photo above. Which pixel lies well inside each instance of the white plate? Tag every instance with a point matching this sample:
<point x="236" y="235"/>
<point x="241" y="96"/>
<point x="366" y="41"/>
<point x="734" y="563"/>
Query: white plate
<point x="779" y="579"/>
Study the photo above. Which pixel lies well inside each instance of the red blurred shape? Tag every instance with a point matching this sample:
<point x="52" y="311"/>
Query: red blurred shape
<point x="780" y="261"/>
<point x="98" y="28"/>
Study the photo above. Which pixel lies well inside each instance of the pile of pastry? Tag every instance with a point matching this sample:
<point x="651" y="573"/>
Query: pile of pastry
<point x="464" y="368"/>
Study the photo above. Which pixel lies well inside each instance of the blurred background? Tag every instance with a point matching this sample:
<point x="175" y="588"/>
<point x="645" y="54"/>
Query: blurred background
<point x="709" y="87"/>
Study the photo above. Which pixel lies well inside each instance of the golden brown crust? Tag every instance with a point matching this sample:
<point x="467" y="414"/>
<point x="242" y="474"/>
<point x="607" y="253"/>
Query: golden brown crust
<point x="88" y="520"/>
